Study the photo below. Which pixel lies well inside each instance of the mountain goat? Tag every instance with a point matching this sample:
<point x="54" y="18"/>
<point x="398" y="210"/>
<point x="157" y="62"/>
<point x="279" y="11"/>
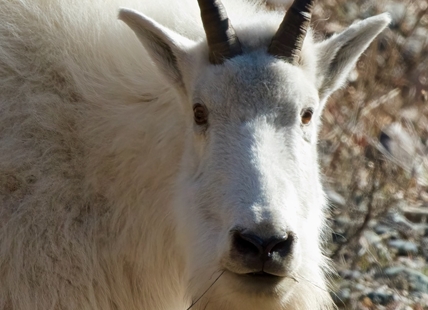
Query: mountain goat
<point x="177" y="174"/>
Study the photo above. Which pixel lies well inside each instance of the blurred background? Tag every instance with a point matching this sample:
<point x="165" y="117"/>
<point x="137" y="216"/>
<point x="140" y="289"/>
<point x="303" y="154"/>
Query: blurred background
<point x="374" y="156"/>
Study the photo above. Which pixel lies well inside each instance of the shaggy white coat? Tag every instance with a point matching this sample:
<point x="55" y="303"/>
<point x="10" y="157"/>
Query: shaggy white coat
<point x="111" y="198"/>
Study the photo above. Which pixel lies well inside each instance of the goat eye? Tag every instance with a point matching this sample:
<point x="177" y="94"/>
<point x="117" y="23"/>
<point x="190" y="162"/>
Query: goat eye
<point x="306" y="116"/>
<point x="200" y="113"/>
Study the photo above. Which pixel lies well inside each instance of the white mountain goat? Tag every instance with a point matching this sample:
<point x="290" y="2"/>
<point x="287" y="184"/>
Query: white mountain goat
<point x="181" y="174"/>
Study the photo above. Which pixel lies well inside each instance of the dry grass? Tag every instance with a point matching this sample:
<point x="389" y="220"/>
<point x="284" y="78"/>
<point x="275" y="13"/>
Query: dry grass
<point x="389" y="86"/>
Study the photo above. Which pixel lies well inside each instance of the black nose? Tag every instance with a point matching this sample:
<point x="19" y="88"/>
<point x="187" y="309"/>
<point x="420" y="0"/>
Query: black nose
<point x="252" y="245"/>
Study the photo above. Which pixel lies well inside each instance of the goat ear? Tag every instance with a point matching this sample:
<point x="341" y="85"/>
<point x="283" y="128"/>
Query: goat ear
<point x="167" y="49"/>
<point x="339" y="54"/>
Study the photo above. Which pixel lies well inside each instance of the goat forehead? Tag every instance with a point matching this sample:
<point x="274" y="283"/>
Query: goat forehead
<point x="255" y="84"/>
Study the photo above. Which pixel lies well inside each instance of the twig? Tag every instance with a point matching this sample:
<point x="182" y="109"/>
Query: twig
<point x="194" y="303"/>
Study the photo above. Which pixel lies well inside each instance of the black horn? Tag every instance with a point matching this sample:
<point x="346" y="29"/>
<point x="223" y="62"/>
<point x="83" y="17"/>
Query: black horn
<point x="221" y="37"/>
<point x="288" y="40"/>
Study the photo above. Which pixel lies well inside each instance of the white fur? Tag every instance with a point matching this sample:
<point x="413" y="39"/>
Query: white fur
<point x="111" y="197"/>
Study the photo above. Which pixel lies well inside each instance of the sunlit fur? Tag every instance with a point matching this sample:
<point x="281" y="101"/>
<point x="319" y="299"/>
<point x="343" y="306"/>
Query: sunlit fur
<point x="112" y="198"/>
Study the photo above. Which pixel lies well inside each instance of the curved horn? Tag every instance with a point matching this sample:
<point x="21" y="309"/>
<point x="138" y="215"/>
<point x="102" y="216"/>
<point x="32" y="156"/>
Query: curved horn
<point x="288" y="40"/>
<point x="222" y="40"/>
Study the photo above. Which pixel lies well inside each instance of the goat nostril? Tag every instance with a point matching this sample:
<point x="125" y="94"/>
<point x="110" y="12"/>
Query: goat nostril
<point x="253" y="245"/>
<point x="282" y="246"/>
<point x="247" y="244"/>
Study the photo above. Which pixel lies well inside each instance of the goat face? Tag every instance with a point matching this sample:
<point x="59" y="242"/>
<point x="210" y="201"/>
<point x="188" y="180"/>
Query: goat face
<point x="250" y="197"/>
<point x="249" y="202"/>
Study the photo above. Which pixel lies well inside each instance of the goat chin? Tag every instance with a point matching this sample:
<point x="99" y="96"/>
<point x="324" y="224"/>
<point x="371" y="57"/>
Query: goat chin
<point x="136" y="173"/>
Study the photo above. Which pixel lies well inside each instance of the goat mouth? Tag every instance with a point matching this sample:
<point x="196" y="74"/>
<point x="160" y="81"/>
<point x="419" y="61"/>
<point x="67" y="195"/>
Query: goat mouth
<point x="260" y="277"/>
<point x="263" y="274"/>
<point x="256" y="283"/>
